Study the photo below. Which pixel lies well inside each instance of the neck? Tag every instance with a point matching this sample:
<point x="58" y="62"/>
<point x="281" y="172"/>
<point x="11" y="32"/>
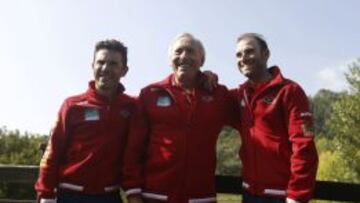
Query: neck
<point x="109" y="94"/>
<point x="264" y="76"/>
<point x="186" y="84"/>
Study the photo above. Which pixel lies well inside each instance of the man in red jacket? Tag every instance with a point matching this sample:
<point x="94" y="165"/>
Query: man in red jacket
<point x="171" y="156"/>
<point x="278" y="153"/>
<point x="83" y="158"/>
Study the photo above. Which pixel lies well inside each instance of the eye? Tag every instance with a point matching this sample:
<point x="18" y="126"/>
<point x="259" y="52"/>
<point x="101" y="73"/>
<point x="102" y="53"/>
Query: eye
<point x="113" y="63"/>
<point x="177" y="51"/>
<point x="238" y="55"/>
<point x="189" y="50"/>
<point x="100" y="62"/>
<point x="249" y="51"/>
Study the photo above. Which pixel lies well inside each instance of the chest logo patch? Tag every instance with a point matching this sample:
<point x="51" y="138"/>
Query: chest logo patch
<point x="207" y="98"/>
<point x="163" y="101"/>
<point x="91" y="114"/>
<point x="125" y="113"/>
<point x="268" y="100"/>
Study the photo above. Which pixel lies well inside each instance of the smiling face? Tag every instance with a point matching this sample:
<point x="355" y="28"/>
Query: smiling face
<point x="251" y="58"/>
<point x="186" y="57"/>
<point x="108" y="68"/>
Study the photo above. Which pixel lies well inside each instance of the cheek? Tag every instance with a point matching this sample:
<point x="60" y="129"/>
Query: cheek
<point x="95" y="72"/>
<point x="238" y="62"/>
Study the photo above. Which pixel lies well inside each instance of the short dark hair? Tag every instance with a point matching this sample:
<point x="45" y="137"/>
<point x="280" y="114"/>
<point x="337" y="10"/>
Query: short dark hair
<point x="258" y="37"/>
<point x="113" y="45"/>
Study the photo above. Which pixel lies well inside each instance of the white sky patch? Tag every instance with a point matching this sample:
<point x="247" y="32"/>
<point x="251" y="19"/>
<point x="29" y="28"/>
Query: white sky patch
<point x="332" y="78"/>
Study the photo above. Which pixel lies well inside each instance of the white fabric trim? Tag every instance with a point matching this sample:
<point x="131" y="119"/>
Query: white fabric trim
<point x="245" y="185"/>
<point x="111" y="188"/>
<point x="42" y="200"/>
<point x="155" y="196"/>
<point x="133" y="191"/>
<point x="289" y="200"/>
<point x="275" y="192"/>
<point x="203" y="200"/>
<point x="71" y="186"/>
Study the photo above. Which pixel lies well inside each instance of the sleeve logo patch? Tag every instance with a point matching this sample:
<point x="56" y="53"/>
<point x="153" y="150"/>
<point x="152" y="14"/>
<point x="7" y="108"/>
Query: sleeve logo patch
<point x="305" y="114"/>
<point x="308" y="129"/>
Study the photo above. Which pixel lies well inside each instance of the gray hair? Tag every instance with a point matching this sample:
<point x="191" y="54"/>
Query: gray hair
<point x="191" y="37"/>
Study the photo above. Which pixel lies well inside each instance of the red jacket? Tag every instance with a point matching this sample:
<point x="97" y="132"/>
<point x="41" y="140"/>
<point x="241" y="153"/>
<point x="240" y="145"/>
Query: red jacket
<point x="278" y="152"/>
<point x="171" y="152"/>
<point x="85" y="149"/>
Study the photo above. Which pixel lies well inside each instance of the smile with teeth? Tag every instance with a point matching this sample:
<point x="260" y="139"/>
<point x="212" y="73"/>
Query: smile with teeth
<point x="184" y="65"/>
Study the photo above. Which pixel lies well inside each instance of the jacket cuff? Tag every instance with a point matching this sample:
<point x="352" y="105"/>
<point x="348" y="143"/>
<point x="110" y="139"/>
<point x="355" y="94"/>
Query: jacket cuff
<point x="133" y="191"/>
<point x="43" y="200"/>
<point x="45" y="195"/>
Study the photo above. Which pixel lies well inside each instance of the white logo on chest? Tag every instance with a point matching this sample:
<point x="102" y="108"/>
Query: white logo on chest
<point x="91" y="114"/>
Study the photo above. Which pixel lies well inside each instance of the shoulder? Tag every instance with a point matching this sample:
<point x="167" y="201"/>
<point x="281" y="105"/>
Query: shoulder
<point x="292" y="87"/>
<point x="126" y="98"/>
<point x="154" y="88"/>
<point x="221" y="87"/>
<point x="75" y="99"/>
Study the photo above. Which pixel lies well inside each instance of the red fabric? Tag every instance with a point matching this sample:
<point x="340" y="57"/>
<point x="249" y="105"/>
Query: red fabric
<point x="87" y="144"/>
<point x="278" y="150"/>
<point x="172" y="143"/>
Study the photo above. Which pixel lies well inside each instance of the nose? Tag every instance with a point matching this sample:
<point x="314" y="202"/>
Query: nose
<point x="183" y="55"/>
<point x="105" y="67"/>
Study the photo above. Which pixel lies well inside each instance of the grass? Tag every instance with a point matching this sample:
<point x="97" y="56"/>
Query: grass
<point x="228" y="198"/>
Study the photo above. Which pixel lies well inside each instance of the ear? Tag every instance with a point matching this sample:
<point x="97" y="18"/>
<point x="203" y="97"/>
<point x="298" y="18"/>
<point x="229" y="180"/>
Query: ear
<point x="202" y="61"/>
<point x="267" y="54"/>
<point x="92" y="65"/>
<point x="124" y="71"/>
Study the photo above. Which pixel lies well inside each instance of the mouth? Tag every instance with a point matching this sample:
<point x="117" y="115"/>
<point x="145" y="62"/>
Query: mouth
<point x="105" y="78"/>
<point x="184" y="65"/>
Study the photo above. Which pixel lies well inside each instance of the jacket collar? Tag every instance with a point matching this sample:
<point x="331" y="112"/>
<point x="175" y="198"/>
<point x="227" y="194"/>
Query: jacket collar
<point x="96" y="97"/>
<point x="169" y="81"/>
<point x="276" y="79"/>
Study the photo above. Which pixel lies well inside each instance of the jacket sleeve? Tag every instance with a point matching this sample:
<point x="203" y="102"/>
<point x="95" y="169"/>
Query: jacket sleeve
<point x="304" y="159"/>
<point x="135" y="153"/>
<point x="232" y="109"/>
<point x="49" y="164"/>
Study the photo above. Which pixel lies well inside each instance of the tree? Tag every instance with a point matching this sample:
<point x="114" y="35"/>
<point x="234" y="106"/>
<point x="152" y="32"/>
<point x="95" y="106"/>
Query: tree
<point x="228" y="162"/>
<point x="17" y="149"/>
<point x="322" y="108"/>
<point x="344" y="122"/>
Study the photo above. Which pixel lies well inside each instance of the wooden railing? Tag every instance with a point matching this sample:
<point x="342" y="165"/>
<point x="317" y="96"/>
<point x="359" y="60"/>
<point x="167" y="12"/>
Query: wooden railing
<point x="325" y="190"/>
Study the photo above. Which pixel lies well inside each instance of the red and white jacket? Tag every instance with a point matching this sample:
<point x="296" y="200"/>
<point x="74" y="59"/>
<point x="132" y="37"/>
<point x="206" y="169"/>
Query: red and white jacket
<point x="278" y="153"/>
<point x="171" y="151"/>
<point x="86" y="146"/>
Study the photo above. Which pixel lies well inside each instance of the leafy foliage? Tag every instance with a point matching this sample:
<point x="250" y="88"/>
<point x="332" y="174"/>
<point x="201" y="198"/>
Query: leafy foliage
<point x="228" y="162"/>
<point x="322" y="107"/>
<point x="344" y="122"/>
<point x="18" y="149"/>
